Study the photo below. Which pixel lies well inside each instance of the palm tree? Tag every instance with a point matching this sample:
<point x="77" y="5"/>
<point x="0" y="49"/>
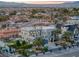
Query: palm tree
<point x="38" y="42"/>
<point x="38" y="45"/>
<point x="55" y="34"/>
<point x="67" y="35"/>
<point x="67" y="38"/>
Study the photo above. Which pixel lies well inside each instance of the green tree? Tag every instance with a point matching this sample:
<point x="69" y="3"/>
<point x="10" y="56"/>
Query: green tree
<point x="24" y="52"/>
<point x="4" y="18"/>
<point x="24" y="42"/>
<point x="18" y="43"/>
<point x="38" y="42"/>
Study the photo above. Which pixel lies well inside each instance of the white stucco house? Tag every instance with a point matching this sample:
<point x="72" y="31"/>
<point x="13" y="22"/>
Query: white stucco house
<point x="30" y="33"/>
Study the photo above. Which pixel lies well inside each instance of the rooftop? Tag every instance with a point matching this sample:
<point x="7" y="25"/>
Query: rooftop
<point x="39" y="27"/>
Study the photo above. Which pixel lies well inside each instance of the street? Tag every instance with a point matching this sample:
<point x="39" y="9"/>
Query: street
<point x="1" y="55"/>
<point x="73" y="54"/>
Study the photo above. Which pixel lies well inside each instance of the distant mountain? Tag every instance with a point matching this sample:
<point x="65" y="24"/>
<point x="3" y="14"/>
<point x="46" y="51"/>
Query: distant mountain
<point x="71" y="4"/>
<point x="64" y="5"/>
<point x="11" y="4"/>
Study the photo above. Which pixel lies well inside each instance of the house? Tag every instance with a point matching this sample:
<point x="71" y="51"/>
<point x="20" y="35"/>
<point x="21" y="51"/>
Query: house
<point x="74" y="29"/>
<point x="30" y="33"/>
<point x="73" y="20"/>
<point x="9" y="33"/>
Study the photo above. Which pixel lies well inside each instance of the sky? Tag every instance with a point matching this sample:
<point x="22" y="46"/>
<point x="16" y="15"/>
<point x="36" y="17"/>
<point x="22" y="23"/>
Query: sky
<point x="35" y="2"/>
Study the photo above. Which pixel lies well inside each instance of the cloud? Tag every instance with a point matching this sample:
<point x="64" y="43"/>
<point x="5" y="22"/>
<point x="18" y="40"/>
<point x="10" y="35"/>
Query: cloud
<point x="46" y="2"/>
<point x="36" y="2"/>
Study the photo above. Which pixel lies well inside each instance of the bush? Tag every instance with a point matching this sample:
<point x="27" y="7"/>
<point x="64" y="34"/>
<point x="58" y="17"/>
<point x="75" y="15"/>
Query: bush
<point x="18" y="43"/>
<point x="38" y="48"/>
<point x="30" y="46"/>
<point x="45" y="49"/>
<point x="25" y="53"/>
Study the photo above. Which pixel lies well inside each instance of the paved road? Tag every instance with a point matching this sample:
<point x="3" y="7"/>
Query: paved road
<point x="73" y="54"/>
<point x="2" y="55"/>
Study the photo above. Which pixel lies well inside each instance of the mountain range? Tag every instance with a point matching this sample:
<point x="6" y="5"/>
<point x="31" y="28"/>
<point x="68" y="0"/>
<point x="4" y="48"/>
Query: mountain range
<point x="18" y="5"/>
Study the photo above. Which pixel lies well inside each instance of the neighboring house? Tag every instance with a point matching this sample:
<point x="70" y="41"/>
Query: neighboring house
<point x="73" y="20"/>
<point x="71" y="27"/>
<point x="9" y="32"/>
<point x="74" y="29"/>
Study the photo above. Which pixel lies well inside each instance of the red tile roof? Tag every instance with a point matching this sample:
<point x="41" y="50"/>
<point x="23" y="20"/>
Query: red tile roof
<point x="9" y="32"/>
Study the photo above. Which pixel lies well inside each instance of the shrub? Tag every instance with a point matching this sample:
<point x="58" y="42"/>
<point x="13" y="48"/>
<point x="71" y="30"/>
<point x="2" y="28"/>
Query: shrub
<point x="45" y="49"/>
